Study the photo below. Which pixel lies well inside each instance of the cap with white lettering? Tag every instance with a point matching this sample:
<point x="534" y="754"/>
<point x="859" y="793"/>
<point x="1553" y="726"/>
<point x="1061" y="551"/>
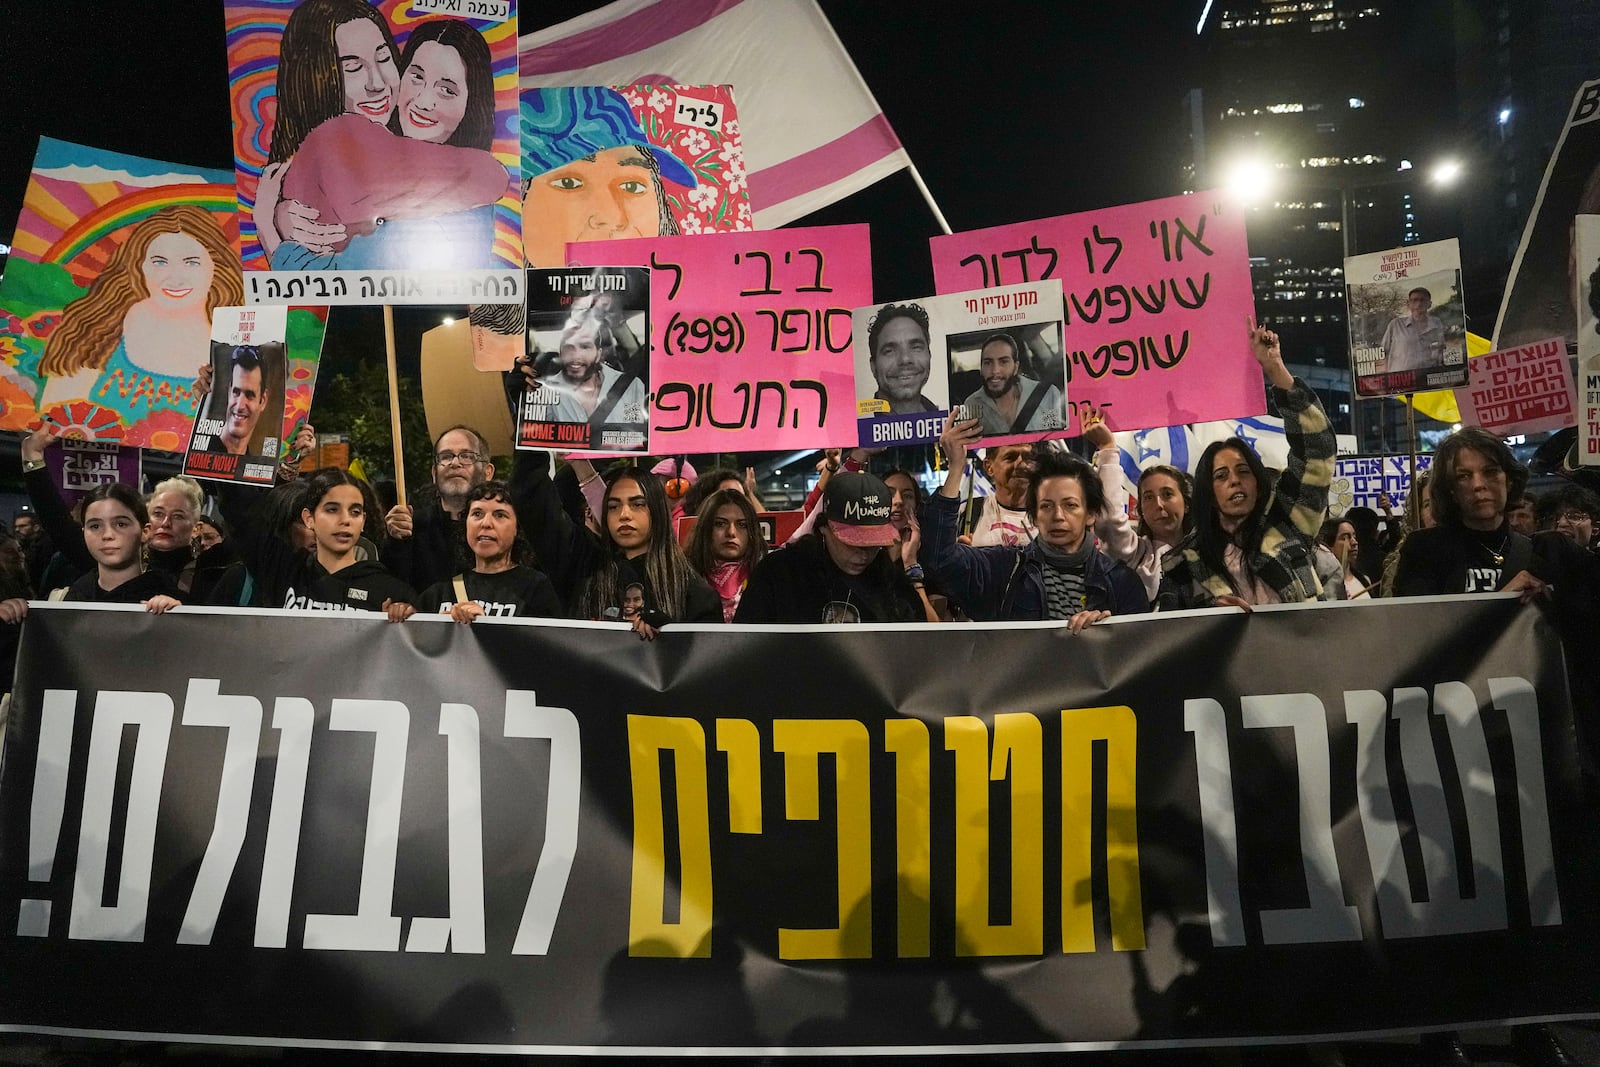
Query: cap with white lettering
<point x="857" y="506"/>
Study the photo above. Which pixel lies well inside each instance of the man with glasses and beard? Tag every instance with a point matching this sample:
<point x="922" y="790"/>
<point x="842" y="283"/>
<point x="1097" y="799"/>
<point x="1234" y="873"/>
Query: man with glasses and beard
<point x="421" y="549"/>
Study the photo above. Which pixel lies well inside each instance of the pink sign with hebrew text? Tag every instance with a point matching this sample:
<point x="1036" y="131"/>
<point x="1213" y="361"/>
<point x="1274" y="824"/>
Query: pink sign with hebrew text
<point x="750" y="335"/>
<point x="1157" y="301"/>
<point x="1528" y="389"/>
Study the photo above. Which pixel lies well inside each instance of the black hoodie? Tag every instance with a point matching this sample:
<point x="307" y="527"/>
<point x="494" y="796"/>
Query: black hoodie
<point x="292" y="578"/>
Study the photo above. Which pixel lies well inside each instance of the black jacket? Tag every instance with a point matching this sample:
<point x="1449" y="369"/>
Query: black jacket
<point x="802" y="584"/>
<point x="287" y="577"/>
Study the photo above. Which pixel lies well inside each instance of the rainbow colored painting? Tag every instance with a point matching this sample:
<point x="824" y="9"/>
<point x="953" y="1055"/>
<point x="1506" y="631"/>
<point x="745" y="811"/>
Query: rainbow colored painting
<point x="105" y="308"/>
<point x="274" y="45"/>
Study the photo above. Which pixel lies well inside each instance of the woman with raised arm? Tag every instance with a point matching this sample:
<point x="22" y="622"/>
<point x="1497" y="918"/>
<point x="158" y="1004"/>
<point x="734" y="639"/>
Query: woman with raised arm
<point x="1165" y="502"/>
<point x="1254" y="537"/>
<point x="1059" y="575"/>
<point x="726" y="545"/>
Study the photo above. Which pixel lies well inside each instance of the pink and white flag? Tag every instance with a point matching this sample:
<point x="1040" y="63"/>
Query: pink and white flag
<point x="812" y="132"/>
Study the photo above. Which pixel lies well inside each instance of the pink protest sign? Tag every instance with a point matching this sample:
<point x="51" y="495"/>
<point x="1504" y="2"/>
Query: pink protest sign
<point x="749" y="335"/>
<point x="1528" y="389"/>
<point x="1157" y="298"/>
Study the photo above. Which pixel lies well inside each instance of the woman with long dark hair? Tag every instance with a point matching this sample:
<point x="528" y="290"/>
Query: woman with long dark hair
<point x="1165" y="510"/>
<point x="332" y="575"/>
<point x="1254" y="536"/>
<point x="636" y="548"/>
<point x="725" y="545"/>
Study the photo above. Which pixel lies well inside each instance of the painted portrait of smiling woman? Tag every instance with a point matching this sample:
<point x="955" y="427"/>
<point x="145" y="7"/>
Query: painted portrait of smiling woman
<point x="131" y="343"/>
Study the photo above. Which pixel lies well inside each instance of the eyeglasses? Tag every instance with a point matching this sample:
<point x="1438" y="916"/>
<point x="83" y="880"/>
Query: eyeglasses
<point x="468" y="459"/>
<point x="1572" y="515"/>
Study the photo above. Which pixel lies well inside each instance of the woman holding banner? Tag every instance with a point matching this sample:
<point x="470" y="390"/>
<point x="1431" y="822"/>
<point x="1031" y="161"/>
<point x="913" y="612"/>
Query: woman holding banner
<point x="501" y="582"/>
<point x="1254" y="537"/>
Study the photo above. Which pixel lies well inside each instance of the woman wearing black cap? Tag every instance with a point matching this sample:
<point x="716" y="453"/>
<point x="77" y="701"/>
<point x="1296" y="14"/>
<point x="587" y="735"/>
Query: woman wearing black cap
<point x="839" y="573"/>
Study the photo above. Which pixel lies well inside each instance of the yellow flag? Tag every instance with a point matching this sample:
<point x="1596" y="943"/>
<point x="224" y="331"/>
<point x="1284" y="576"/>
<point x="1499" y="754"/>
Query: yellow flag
<point x="1440" y="404"/>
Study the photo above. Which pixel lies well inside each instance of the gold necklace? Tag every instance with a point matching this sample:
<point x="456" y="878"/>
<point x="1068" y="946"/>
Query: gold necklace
<point x="1498" y="555"/>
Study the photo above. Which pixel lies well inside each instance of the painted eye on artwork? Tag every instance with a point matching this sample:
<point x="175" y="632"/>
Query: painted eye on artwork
<point x="566" y="182"/>
<point x="634" y="188"/>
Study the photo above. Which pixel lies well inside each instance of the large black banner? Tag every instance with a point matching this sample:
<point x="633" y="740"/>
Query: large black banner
<point x="326" y="828"/>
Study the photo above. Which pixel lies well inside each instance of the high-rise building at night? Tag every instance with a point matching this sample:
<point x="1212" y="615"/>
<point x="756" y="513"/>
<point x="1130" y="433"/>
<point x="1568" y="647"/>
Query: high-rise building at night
<point x="1336" y="110"/>
<point x="1518" y="66"/>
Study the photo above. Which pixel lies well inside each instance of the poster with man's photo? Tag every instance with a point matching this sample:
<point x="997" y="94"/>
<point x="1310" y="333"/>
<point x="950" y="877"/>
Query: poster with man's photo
<point x="372" y="138"/>
<point x="1538" y="295"/>
<point x="588" y="334"/>
<point x="239" y="429"/>
<point x="1586" y="254"/>
<point x="997" y="352"/>
<point x="1408" y="325"/>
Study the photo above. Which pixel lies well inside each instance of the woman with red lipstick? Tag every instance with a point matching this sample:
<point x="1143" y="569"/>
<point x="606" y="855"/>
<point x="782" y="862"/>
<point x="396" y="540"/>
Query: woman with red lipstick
<point x="500" y="583"/>
<point x="726" y="545"/>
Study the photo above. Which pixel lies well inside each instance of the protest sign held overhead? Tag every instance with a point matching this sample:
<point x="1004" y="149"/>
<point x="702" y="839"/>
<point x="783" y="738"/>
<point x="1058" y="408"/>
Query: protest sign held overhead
<point x="996" y="353"/>
<point x="1520" y="390"/>
<point x="1586" y="229"/>
<point x="375" y="152"/>
<point x="588" y="335"/>
<point x="1408" y="328"/>
<point x="78" y="466"/>
<point x="105" y="310"/>
<point x="750" y="335"/>
<point x="1156" y="294"/>
<point x="1362" y="481"/>
<point x="260" y="393"/>
<point x="1538" y="295"/>
<point x="602" y="163"/>
<point x="634" y="161"/>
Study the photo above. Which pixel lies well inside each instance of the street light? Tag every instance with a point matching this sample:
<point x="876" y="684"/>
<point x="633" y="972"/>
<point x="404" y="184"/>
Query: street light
<point x="1249" y="180"/>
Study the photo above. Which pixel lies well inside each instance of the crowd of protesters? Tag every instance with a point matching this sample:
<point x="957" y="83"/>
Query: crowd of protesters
<point x="1054" y="541"/>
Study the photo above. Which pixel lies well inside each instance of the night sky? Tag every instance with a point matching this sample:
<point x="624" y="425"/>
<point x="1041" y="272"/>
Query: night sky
<point x="1011" y="111"/>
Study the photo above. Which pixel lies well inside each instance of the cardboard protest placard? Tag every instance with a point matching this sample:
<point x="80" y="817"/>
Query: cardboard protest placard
<point x="1358" y="481"/>
<point x="1157" y="296"/>
<point x="106" y="303"/>
<point x="78" y="466"/>
<point x="1520" y="390"/>
<point x="260" y="394"/>
<point x="750" y="334"/>
<point x="588" y="331"/>
<point x="1587" y="256"/>
<point x="1408" y="327"/>
<point x="1538" y="295"/>
<point x="375" y="149"/>
<point x="994" y="352"/>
